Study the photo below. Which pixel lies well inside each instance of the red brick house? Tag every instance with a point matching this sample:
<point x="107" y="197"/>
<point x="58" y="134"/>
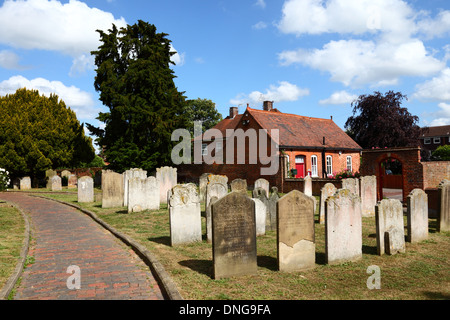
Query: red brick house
<point x="433" y="137"/>
<point x="311" y="146"/>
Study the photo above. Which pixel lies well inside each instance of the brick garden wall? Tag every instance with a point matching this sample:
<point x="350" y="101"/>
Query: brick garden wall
<point x="434" y="172"/>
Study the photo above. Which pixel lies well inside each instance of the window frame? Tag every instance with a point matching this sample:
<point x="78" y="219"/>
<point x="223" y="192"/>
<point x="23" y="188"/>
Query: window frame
<point x="314" y="167"/>
<point x="329" y="165"/>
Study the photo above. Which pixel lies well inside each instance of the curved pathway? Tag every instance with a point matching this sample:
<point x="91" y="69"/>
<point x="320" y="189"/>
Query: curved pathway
<point x="63" y="237"/>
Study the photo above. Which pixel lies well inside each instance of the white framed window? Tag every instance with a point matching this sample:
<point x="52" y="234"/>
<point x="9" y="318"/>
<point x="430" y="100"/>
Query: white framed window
<point x="314" y="172"/>
<point x="349" y="164"/>
<point x="329" y="165"/>
<point x="427" y="141"/>
<point x="204" y="149"/>
<point x="299" y="159"/>
<point x="437" y="140"/>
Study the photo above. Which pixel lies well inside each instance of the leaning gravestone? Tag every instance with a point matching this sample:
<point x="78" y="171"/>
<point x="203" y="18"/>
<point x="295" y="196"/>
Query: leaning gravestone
<point x="328" y="190"/>
<point x="167" y="177"/>
<point x="112" y="189"/>
<point x="127" y="175"/>
<point x="351" y="184"/>
<point x="214" y="190"/>
<point x="203" y="181"/>
<point x="260" y="217"/>
<point x="264" y="184"/>
<point x="343" y="227"/>
<point x="86" y="189"/>
<point x="55" y="183"/>
<point x="25" y="183"/>
<point x="307" y="185"/>
<point x="368" y="195"/>
<point x="390" y="227"/>
<point x="271" y="220"/>
<point x="296" y="237"/>
<point x="143" y="194"/>
<point x="239" y="185"/>
<point x="444" y="211"/>
<point x="185" y="215"/>
<point x="234" y="236"/>
<point x="417" y="216"/>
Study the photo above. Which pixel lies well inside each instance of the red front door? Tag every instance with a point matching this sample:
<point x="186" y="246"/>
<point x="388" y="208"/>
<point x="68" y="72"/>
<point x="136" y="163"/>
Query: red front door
<point x="300" y="166"/>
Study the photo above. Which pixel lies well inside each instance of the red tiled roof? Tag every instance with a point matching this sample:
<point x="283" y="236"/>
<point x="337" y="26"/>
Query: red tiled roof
<point x="440" y="131"/>
<point x="296" y="131"/>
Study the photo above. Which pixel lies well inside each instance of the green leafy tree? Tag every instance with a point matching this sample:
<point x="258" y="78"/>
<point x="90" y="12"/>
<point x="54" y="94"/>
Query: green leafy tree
<point x="38" y="133"/>
<point x="203" y="110"/>
<point x="441" y="153"/>
<point x="136" y="83"/>
<point x="380" y="121"/>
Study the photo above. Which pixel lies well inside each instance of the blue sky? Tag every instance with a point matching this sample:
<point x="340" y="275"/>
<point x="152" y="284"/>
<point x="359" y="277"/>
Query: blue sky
<point x="311" y="57"/>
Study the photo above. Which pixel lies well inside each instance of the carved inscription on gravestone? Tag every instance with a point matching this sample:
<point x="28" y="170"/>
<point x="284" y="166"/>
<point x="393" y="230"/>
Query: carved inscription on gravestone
<point x="234" y="236"/>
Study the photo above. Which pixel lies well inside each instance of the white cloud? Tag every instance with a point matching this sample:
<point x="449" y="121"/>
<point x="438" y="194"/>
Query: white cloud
<point x="79" y="101"/>
<point x="177" y="58"/>
<point x="81" y="64"/>
<point x="259" y="26"/>
<point x="10" y="60"/>
<point x="359" y="62"/>
<point x="437" y="88"/>
<point x="441" y="117"/>
<point x="260" y="3"/>
<point x="285" y="91"/>
<point x="437" y="27"/>
<point x="340" y="97"/>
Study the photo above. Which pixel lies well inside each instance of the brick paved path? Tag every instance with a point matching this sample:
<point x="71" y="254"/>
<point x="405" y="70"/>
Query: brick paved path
<point x="63" y="237"/>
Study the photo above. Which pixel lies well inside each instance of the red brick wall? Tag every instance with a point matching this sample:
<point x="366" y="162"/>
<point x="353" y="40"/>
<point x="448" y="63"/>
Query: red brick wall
<point x="434" y="172"/>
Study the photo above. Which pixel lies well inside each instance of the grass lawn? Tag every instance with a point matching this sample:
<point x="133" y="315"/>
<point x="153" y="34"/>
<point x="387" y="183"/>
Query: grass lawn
<point x="423" y="272"/>
<point x="12" y="233"/>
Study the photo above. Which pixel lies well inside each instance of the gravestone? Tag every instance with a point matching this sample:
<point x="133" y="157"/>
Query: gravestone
<point x="234" y="236"/>
<point x="390" y="227"/>
<point x="271" y="220"/>
<point x="112" y="189"/>
<point x="368" y="195"/>
<point x="25" y="183"/>
<point x="65" y="173"/>
<point x="203" y="181"/>
<point x="16" y="183"/>
<point x="260" y="217"/>
<point x="307" y="186"/>
<point x="264" y="184"/>
<point x="167" y="177"/>
<point x="343" y="227"/>
<point x="143" y="194"/>
<point x="260" y="194"/>
<point x="55" y="183"/>
<point x="217" y="190"/>
<point x="417" y="216"/>
<point x="215" y="178"/>
<point x="127" y="175"/>
<point x="185" y="215"/>
<point x="328" y="190"/>
<point x="296" y="237"/>
<point x="239" y="185"/>
<point x="86" y="189"/>
<point x="351" y="184"/>
<point x="48" y="175"/>
<point x="444" y="207"/>
<point x="72" y="181"/>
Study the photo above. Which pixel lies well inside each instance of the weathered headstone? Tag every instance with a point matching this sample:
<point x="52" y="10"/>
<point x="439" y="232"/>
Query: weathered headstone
<point x="25" y="183"/>
<point x="112" y="189"/>
<point x="167" y="177"/>
<point x="260" y="217"/>
<point x="343" y="227"/>
<point x="72" y="181"/>
<point x="444" y="210"/>
<point x="328" y="190"/>
<point x="368" y="195"/>
<point x="216" y="178"/>
<point x="185" y="215"/>
<point x="217" y="190"/>
<point x="143" y="194"/>
<point x="390" y="227"/>
<point x="239" y="185"/>
<point x="351" y="184"/>
<point x="234" y="236"/>
<point x="16" y="183"/>
<point x="86" y="189"/>
<point x="48" y="175"/>
<point x="263" y="183"/>
<point x="308" y="185"/>
<point x="296" y="237"/>
<point x="203" y="181"/>
<point x="55" y="183"/>
<point x="417" y="216"/>
<point x="127" y="175"/>
<point x="271" y="220"/>
<point x="66" y="174"/>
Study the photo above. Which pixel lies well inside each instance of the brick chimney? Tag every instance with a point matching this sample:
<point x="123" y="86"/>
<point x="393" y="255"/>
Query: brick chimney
<point x="267" y="105"/>
<point x="234" y="112"/>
